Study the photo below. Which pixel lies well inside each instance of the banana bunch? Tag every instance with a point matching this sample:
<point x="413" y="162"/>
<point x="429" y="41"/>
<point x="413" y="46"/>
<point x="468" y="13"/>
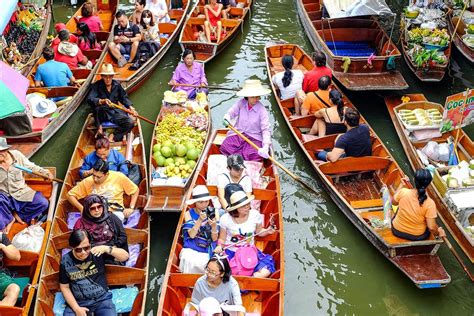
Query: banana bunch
<point x="27" y="17"/>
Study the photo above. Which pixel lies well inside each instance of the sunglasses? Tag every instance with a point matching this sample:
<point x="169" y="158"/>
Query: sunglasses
<point x="96" y="208"/>
<point x="82" y="249"/>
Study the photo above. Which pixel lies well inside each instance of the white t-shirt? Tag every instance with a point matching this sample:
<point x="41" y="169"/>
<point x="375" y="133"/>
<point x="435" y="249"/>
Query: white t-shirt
<point x="224" y="179"/>
<point x="295" y="84"/>
<point x="158" y="8"/>
<point x="236" y="232"/>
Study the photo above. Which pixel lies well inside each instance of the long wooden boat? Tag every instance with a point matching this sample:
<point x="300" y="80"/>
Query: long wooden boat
<point x="265" y="295"/>
<point x="467" y="51"/>
<point x="131" y="80"/>
<point x="205" y="51"/>
<point x="117" y="276"/>
<point x="437" y="190"/>
<point x="44" y="128"/>
<point x="30" y="263"/>
<point x="432" y="72"/>
<point x="165" y="196"/>
<point x="348" y="43"/>
<point x="355" y="184"/>
<point x="42" y="39"/>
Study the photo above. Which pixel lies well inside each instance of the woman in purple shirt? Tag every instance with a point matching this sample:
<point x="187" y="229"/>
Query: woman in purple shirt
<point x="251" y="118"/>
<point x="189" y="72"/>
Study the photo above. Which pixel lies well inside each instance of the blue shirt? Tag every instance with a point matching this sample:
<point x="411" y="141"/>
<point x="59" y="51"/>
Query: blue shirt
<point x="53" y="74"/>
<point x="115" y="160"/>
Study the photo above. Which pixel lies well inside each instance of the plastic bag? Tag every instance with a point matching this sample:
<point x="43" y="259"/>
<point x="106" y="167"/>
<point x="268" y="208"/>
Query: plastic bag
<point x="29" y="239"/>
<point x="431" y="150"/>
<point x="443" y="152"/>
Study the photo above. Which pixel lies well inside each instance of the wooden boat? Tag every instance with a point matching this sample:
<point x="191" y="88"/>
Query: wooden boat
<point x="189" y="37"/>
<point x="467" y="51"/>
<point x="343" y="40"/>
<point x="117" y="276"/>
<point x="30" y="263"/>
<point x="432" y="72"/>
<point x="177" y="287"/>
<point x="354" y="184"/>
<point x="41" y="41"/>
<point x="131" y="80"/>
<point x="43" y="128"/>
<point x="437" y="190"/>
<point x="163" y="196"/>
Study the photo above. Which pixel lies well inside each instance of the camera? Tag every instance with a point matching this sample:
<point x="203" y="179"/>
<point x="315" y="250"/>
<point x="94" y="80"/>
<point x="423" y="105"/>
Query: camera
<point x="211" y="212"/>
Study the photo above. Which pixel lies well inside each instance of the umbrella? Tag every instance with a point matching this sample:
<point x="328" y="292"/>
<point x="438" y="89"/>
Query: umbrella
<point x="8" y="8"/>
<point x="13" y="87"/>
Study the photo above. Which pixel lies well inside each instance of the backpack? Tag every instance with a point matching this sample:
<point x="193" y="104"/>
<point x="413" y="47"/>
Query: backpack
<point x="230" y="188"/>
<point x="244" y="261"/>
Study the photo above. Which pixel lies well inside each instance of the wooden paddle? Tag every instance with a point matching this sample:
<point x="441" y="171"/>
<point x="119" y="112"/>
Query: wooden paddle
<point x="294" y="176"/>
<point x="458" y="258"/>
<point x="111" y="104"/>
<point x="199" y="86"/>
<point x="35" y="173"/>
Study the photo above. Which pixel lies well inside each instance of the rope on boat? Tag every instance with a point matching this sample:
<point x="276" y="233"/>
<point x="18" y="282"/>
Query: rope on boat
<point x="346" y="62"/>
<point x="332" y="36"/>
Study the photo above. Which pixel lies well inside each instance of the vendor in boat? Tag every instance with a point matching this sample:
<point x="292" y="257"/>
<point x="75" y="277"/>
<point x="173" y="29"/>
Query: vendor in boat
<point x="9" y="290"/>
<point x="127" y="37"/>
<point x="353" y="143"/>
<point x="88" y="17"/>
<point x="82" y="278"/>
<point x="416" y="215"/>
<point x="213" y="24"/>
<point x="251" y="119"/>
<point x="330" y="120"/>
<point x="318" y="100"/>
<point x="311" y="78"/>
<point x="105" y="229"/>
<point x="110" y="184"/>
<point x="17" y="200"/>
<point x="238" y="228"/>
<point x="235" y="174"/>
<point x="53" y="73"/>
<point x="288" y="81"/>
<point x="188" y="74"/>
<point x="218" y="283"/>
<point x="103" y="152"/>
<point x="70" y="53"/>
<point x="108" y="90"/>
<point x="200" y="232"/>
<point x="137" y="13"/>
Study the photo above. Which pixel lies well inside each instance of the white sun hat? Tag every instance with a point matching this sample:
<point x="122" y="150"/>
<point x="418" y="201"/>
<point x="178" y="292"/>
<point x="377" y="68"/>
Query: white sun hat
<point x="200" y="193"/>
<point x="40" y="106"/>
<point x="209" y="306"/>
<point x="238" y="199"/>
<point x="253" y="88"/>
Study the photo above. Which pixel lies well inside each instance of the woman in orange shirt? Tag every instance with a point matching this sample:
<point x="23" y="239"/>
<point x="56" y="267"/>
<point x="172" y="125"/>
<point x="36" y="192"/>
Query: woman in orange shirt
<point x="416" y="215"/>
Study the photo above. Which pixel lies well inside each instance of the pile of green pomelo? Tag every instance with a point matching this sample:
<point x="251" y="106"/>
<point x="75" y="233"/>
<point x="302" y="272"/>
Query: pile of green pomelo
<point x="177" y="159"/>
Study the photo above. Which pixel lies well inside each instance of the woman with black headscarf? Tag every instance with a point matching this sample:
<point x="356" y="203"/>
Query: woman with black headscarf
<point x="105" y="229"/>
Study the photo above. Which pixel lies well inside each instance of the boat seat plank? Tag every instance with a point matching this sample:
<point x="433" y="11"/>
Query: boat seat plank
<point x="355" y="164"/>
<point x="245" y="283"/>
<point x="92" y="54"/>
<point x="303" y="121"/>
<point x="320" y="143"/>
<point x="367" y="203"/>
<point x="166" y="28"/>
<point x="102" y="36"/>
<point x="230" y="23"/>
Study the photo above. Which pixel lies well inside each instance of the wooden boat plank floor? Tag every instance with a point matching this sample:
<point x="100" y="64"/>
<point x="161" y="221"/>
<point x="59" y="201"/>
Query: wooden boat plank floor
<point x="417" y="265"/>
<point x="362" y="82"/>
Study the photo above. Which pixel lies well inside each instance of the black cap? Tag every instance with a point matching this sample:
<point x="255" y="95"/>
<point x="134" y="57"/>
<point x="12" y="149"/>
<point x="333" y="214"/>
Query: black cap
<point x="235" y="161"/>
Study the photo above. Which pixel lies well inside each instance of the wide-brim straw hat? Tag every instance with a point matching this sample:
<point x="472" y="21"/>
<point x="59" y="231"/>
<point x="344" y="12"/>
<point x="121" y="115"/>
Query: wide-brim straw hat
<point x="3" y="143"/>
<point x="253" y="88"/>
<point x="239" y="199"/>
<point x="68" y="49"/>
<point x="107" y="70"/>
<point x="200" y="193"/>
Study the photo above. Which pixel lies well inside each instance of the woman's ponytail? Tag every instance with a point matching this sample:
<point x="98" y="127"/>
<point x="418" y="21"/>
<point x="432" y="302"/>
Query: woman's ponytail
<point x="287" y="63"/>
<point x="423" y="179"/>
<point x="336" y="98"/>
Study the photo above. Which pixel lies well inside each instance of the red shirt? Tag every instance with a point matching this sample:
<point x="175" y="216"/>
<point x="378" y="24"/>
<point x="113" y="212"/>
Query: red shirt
<point x="72" y="62"/>
<point x="311" y="78"/>
<point x="72" y="39"/>
<point x="93" y="22"/>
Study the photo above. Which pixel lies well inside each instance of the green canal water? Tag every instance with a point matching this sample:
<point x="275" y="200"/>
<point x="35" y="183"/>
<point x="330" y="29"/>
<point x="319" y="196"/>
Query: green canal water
<point x="331" y="268"/>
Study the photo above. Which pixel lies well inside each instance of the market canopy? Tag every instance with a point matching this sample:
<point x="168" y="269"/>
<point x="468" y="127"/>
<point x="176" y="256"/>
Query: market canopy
<point x="8" y="7"/>
<point x="348" y="8"/>
<point x="13" y="87"/>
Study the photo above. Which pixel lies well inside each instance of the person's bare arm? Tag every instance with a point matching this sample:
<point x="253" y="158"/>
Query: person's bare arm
<point x="38" y="83"/>
<point x="75" y="203"/>
<point x="434" y="228"/>
<point x="11" y="252"/>
<point x="335" y="154"/>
